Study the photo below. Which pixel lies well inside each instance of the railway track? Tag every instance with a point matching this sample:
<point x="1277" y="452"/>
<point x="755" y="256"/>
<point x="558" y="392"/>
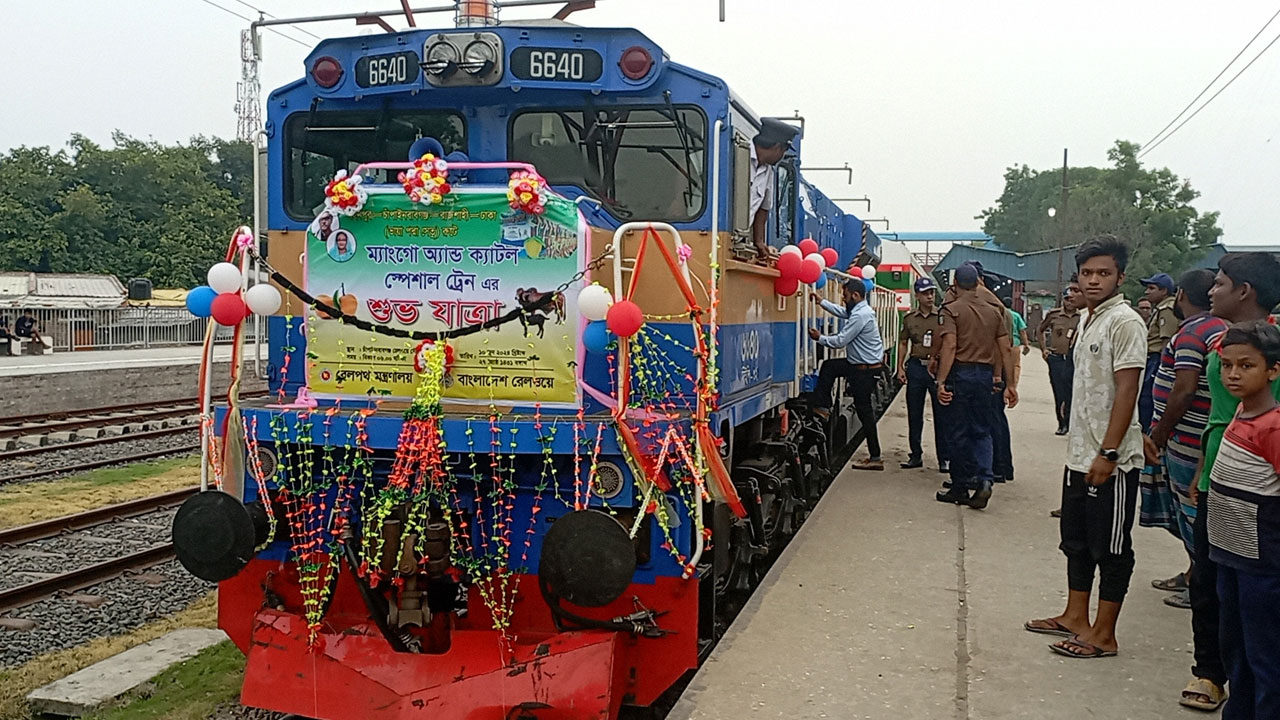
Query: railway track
<point x="36" y="425"/>
<point x="96" y="572"/>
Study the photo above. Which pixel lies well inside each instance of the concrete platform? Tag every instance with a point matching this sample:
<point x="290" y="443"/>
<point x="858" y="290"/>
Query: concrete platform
<point x="889" y="605"/>
<point x="97" y="360"/>
<point x="81" y="692"/>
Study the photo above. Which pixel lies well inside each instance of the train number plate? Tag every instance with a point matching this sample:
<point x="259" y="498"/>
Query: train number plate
<point x="556" y="64"/>
<point x="392" y="69"/>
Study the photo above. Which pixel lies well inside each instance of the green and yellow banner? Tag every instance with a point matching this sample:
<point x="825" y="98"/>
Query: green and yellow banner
<point x="440" y="267"/>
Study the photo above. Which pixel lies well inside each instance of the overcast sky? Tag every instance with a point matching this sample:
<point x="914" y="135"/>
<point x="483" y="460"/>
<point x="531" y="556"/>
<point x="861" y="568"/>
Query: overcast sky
<point x="928" y="100"/>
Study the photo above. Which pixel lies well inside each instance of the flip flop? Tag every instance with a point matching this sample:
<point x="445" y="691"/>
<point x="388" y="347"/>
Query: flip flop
<point x="1181" y="600"/>
<point x="1174" y="584"/>
<point x="1091" y="651"/>
<point x="1201" y="687"/>
<point x="1057" y="629"/>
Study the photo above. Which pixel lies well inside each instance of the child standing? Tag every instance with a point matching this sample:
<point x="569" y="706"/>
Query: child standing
<point x="1244" y="523"/>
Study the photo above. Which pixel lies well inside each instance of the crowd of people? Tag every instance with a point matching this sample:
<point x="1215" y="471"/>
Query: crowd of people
<point x="1174" y="402"/>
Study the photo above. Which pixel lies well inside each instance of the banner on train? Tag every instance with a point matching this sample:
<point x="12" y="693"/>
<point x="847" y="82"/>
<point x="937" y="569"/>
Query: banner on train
<point x="440" y="267"/>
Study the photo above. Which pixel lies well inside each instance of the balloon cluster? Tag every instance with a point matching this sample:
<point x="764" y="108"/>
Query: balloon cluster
<point x="222" y="300"/>
<point x="345" y="194"/>
<point x="803" y="263"/>
<point x="526" y="191"/>
<point x="606" y="319"/>
<point x="427" y="182"/>
<point x="868" y="273"/>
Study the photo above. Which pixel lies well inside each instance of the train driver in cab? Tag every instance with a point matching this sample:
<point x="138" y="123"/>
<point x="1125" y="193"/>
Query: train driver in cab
<point x="767" y="149"/>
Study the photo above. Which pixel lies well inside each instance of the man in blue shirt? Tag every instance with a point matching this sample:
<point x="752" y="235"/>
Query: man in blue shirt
<point x="861" y="366"/>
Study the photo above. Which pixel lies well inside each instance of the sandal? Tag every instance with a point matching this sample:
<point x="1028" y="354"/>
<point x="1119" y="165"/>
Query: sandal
<point x="1074" y="647"/>
<point x="1174" y="584"/>
<point x="1181" y="600"/>
<point x="1203" y="694"/>
<point x="1048" y="626"/>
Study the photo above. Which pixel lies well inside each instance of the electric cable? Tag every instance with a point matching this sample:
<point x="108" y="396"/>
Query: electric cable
<point x="229" y="11"/>
<point x="299" y="28"/>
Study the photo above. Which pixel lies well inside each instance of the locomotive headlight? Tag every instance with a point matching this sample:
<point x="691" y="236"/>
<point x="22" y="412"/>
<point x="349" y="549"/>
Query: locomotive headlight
<point x="479" y="58"/>
<point x="442" y="59"/>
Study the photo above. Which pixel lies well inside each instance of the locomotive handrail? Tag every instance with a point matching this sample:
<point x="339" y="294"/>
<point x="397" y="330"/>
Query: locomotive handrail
<point x="618" y="292"/>
<point x="453" y="166"/>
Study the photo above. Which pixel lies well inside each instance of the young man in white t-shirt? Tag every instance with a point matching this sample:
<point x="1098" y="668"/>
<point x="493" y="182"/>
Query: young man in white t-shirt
<point x="1104" y="455"/>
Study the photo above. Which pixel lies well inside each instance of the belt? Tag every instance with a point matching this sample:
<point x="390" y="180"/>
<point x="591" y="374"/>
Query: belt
<point x="983" y="366"/>
<point x="922" y="361"/>
<point x="1061" y="354"/>
<point x="865" y="366"/>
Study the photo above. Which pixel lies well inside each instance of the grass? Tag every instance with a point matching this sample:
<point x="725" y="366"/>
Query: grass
<point x="45" y="499"/>
<point x="191" y="690"/>
<point x="16" y="682"/>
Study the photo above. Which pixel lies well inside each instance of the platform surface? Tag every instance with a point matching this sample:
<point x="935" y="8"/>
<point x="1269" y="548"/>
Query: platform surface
<point x="889" y="605"/>
<point x="98" y="360"/>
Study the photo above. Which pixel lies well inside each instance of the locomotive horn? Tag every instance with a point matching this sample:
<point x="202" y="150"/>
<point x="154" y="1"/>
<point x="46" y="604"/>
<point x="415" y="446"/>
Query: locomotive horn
<point x="214" y="535"/>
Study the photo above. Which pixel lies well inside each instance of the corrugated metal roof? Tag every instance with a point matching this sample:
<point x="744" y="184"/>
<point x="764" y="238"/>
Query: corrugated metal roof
<point x="60" y="290"/>
<point x="14" y="283"/>
<point x="78" y="285"/>
<point x="1041" y="265"/>
<point x="944" y="236"/>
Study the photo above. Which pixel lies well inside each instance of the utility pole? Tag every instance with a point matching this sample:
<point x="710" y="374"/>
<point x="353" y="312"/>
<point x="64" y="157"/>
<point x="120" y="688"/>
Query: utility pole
<point x="1062" y="222"/>
<point x="248" y="90"/>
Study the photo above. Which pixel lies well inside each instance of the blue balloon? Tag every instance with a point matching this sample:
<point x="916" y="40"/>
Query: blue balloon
<point x="200" y="301"/>
<point x="821" y="282"/>
<point x="596" y="337"/>
<point x="868" y="284"/>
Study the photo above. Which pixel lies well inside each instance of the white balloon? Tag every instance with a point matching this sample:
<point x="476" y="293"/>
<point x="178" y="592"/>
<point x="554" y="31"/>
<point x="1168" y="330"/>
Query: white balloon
<point x="224" y="277"/>
<point x="790" y="249"/>
<point x="594" y="302"/>
<point x="263" y="299"/>
<point x="868" y="272"/>
<point x="817" y="257"/>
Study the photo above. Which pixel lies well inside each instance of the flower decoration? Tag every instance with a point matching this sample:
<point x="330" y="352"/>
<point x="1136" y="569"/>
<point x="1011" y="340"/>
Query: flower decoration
<point x="422" y="352"/>
<point x="526" y="191"/>
<point x="685" y="252"/>
<point x="344" y="194"/>
<point x="427" y="182"/>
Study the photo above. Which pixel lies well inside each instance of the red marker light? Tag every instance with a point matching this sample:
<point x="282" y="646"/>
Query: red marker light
<point x="326" y="71"/>
<point x="636" y="62"/>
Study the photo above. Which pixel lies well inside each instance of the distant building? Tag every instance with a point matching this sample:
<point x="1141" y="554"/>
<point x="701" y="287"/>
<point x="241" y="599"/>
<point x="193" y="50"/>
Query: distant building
<point x="23" y="290"/>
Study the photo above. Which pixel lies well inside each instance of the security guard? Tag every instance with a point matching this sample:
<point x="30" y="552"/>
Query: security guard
<point x="915" y="350"/>
<point x="767" y="149"/>
<point x="973" y="351"/>
<point x="1056" y="332"/>
<point x="1163" y="323"/>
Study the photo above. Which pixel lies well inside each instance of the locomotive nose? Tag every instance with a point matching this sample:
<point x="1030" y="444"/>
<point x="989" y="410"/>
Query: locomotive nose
<point x="214" y="535"/>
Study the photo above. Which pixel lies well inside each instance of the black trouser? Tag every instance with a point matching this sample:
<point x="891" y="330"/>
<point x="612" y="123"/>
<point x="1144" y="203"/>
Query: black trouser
<point x="862" y="384"/>
<point x="1060" y="371"/>
<point x="1204" y="601"/>
<point x="1001" y="447"/>
<point x="1096" y="530"/>
<point x="919" y="384"/>
<point x="969" y="418"/>
<point x="1146" y="406"/>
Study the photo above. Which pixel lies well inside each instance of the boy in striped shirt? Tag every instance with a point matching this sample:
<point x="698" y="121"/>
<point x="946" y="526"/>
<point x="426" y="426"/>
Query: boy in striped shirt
<point x="1244" y="522"/>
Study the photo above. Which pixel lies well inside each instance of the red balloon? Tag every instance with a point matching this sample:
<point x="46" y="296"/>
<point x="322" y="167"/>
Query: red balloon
<point x="789" y="265"/>
<point x="831" y="256"/>
<point x="228" y="309"/>
<point x="786" y="285"/>
<point x="810" y="269"/>
<point x="624" y="318"/>
<point x="807" y="246"/>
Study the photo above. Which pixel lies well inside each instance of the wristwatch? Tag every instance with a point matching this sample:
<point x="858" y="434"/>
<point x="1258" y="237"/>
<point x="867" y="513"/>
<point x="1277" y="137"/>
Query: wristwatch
<point x="1110" y="455"/>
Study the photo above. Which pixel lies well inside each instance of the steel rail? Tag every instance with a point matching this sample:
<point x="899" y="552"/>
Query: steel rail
<point x="94" y="442"/>
<point x="92" y="518"/>
<point x="88" y="422"/>
<point x="35" y="421"/>
<point x="94" y="464"/>
<point x="84" y="577"/>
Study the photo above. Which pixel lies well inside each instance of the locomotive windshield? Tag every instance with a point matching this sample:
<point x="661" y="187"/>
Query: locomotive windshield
<point x="319" y="143"/>
<point x="639" y="163"/>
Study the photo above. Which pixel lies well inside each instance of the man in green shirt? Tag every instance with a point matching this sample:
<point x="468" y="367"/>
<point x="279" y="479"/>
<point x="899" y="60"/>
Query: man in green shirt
<point x="1246" y="288"/>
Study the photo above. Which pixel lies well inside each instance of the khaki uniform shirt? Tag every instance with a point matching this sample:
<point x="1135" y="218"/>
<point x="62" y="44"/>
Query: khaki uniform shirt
<point x="981" y="328"/>
<point x="920" y="329"/>
<point x="1162" y="326"/>
<point x="1060" y="326"/>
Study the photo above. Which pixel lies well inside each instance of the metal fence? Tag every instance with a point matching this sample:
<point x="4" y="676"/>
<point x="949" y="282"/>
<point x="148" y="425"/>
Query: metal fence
<point x="121" y="328"/>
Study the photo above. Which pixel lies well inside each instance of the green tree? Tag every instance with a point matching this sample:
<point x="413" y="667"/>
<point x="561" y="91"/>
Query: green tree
<point x="1150" y="209"/>
<point x="136" y="209"/>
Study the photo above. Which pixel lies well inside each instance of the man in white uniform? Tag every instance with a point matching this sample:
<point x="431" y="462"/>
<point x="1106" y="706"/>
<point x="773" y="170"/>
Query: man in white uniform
<point x="767" y="149"/>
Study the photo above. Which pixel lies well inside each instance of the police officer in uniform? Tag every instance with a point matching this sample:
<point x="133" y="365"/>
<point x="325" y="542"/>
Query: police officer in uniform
<point x="1056" y="332"/>
<point x="974" y="346"/>
<point x="915" y="350"/>
<point x="1161" y="326"/>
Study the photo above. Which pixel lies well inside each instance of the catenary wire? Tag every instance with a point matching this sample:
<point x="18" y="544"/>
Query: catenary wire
<point x="299" y="28"/>
<point x="229" y="11"/>
<point x="1211" y="98"/>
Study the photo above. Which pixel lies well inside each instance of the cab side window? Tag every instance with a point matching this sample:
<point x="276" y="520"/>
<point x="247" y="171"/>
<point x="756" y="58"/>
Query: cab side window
<point x="741" y="149"/>
<point x="783" y="219"/>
